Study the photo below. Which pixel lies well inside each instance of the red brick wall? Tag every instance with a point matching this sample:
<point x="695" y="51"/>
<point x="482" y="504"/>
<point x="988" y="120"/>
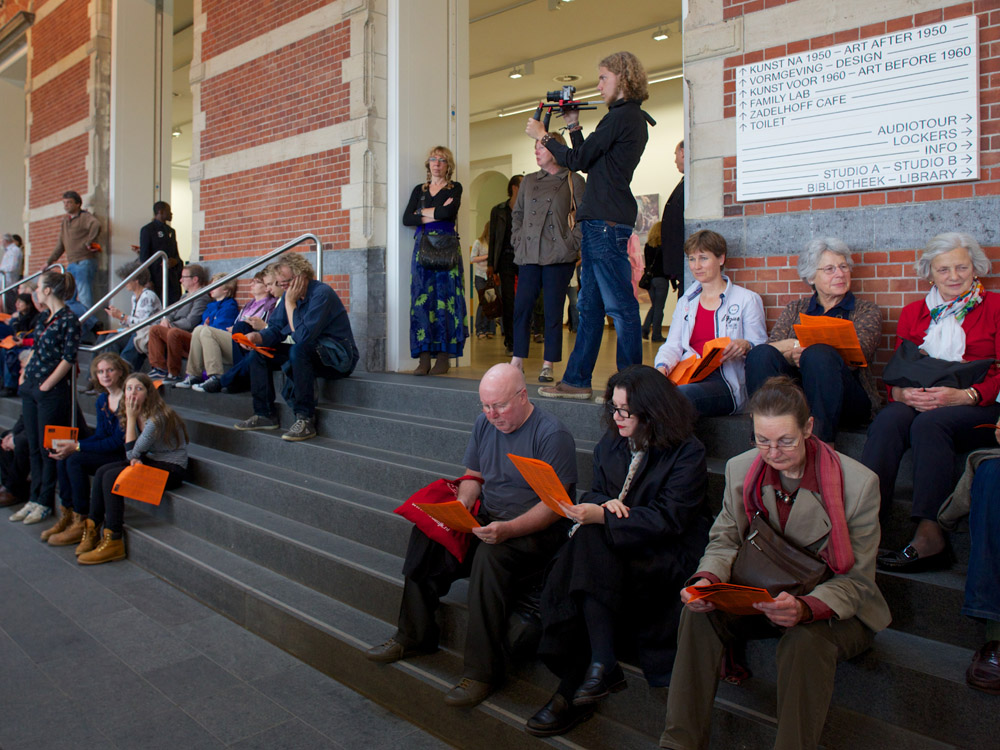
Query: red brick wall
<point x="341" y="284"/>
<point x="735" y="8"/>
<point x="248" y="213"/>
<point x="43" y="235"/>
<point x="59" y="33"/>
<point x="233" y="23"/>
<point x="293" y="90"/>
<point x="58" y="169"/>
<point x="12" y="8"/>
<point x="60" y="102"/>
<point x="988" y="12"/>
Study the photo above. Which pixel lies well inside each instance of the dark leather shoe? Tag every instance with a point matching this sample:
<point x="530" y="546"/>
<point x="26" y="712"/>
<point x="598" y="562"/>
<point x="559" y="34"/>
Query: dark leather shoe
<point x="910" y="561"/>
<point x="557" y="717"/>
<point x="597" y="685"/>
<point x="392" y="650"/>
<point x="984" y="672"/>
<point x="468" y="693"/>
<point x="7" y="499"/>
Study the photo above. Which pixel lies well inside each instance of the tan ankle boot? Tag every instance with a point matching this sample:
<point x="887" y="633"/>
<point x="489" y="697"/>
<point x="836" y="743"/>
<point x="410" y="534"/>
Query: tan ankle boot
<point x="59" y="526"/>
<point x="89" y="539"/>
<point x="109" y="549"/>
<point x="440" y="364"/>
<point x="425" y="364"/>
<point x="72" y="535"/>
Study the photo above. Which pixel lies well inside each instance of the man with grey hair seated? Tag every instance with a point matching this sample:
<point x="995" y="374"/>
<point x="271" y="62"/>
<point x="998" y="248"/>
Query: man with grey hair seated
<point x="518" y="537"/>
<point x="839" y="395"/>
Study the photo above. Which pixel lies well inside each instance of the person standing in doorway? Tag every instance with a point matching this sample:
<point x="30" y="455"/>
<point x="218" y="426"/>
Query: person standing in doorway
<point x="502" y="258"/>
<point x="672" y="228"/>
<point x="11" y="268"/>
<point x="607" y="214"/>
<point x="78" y="239"/>
<point x="155" y="236"/>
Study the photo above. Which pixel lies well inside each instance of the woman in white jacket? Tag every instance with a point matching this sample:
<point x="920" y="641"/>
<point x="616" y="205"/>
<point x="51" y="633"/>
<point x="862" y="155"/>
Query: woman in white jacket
<point x="710" y="308"/>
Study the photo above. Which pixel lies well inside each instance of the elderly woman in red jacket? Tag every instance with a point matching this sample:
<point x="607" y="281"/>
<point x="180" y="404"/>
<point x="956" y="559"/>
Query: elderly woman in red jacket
<point x="958" y="321"/>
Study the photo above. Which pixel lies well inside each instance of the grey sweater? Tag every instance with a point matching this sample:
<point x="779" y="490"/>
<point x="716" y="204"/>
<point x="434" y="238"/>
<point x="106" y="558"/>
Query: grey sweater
<point x="150" y="444"/>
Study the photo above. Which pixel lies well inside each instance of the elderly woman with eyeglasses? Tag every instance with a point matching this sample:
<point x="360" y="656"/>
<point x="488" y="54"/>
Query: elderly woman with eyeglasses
<point x="820" y="501"/>
<point x="838" y="394"/>
<point x="957" y="321"/>
<point x="640" y="531"/>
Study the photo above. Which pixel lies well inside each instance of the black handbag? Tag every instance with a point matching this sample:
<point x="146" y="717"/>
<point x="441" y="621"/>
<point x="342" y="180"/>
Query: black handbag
<point x="767" y="560"/>
<point x="912" y="368"/>
<point x="438" y="252"/>
<point x="646" y="280"/>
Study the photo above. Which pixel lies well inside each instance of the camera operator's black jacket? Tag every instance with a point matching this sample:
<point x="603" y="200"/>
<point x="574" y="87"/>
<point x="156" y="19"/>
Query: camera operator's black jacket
<point x="609" y="156"/>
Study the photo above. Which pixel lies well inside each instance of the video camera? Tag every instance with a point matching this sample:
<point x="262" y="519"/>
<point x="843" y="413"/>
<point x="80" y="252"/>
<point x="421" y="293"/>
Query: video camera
<point x="561" y="99"/>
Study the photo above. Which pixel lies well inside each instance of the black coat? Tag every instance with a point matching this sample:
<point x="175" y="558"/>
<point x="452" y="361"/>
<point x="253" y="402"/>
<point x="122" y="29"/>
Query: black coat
<point x="672" y="234"/>
<point x="635" y="566"/>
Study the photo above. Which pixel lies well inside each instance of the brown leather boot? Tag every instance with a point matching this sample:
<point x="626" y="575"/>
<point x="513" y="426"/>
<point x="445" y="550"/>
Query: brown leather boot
<point x="440" y="364"/>
<point x="89" y="539"/>
<point x="425" y="364"/>
<point x="72" y="535"/>
<point x="109" y="549"/>
<point x="59" y="526"/>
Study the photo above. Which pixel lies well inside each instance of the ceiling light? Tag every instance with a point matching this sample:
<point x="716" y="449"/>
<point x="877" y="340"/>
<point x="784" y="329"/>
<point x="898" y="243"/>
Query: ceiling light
<point x="175" y="133"/>
<point x="525" y="69"/>
<point x="517" y="72"/>
<point x="660" y="34"/>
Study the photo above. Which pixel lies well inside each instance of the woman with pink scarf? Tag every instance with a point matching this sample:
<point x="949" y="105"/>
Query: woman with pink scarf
<point x="957" y="321"/>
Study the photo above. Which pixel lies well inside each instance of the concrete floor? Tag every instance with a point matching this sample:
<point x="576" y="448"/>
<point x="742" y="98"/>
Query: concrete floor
<point x="111" y="656"/>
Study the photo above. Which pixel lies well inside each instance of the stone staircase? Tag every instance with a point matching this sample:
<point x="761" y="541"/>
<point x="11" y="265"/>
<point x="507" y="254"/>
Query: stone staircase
<point x="298" y="543"/>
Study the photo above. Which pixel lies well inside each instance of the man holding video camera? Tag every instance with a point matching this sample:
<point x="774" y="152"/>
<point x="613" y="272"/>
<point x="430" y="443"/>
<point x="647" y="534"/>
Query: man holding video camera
<point x="607" y="213"/>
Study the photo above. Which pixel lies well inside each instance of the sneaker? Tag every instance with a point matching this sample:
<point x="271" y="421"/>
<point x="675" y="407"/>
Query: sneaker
<point x="169" y="379"/>
<point x="21" y="513"/>
<point x="257" y="422"/>
<point x="546" y="376"/>
<point x="37" y="514"/>
<point x="189" y="381"/>
<point x="212" y="385"/>
<point x="561" y="390"/>
<point x="302" y="429"/>
<point x="157" y="374"/>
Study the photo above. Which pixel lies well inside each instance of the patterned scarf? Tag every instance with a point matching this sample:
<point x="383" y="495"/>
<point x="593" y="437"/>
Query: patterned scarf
<point x="824" y="461"/>
<point x="960" y="306"/>
<point x="945" y="337"/>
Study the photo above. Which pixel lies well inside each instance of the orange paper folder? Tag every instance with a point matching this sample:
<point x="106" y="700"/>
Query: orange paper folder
<point x="543" y="479"/>
<point x="696" y="368"/>
<point x="8" y="342"/>
<point x="837" y="332"/>
<point x="241" y="338"/>
<point x="729" y="597"/>
<point x="452" y="514"/>
<point x="58" y="432"/>
<point x="143" y="483"/>
<point x="4" y="317"/>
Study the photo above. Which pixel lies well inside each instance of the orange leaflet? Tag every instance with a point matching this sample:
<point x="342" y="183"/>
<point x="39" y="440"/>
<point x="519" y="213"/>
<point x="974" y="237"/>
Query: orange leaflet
<point x="58" y="432"/>
<point x="729" y="597"/>
<point x="542" y="478"/>
<point x="143" y="483"/>
<point x="837" y="332"/>
<point x="8" y="342"/>
<point x="241" y="338"/>
<point x="696" y="368"/>
<point x="453" y="515"/>
<point x="101" y="333"/>
<point x="4" y="317"/>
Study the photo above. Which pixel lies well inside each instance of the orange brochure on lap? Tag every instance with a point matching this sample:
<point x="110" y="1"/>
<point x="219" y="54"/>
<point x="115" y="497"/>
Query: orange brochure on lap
<point x="837" y="332"/>
<point x="729" y="597"/>
<point x="696" y="368"/>
<point x="8" y="342"/>
<point x="58" y="432"/>
<point x="143" y="483"/>
<point x="544" y="481"/>
<point x="452" y="514"/>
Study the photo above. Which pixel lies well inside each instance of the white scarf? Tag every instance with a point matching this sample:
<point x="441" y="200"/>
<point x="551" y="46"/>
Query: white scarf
<point x="945" y="338"/>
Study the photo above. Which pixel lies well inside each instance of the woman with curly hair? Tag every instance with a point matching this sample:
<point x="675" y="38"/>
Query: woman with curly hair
<point x="437" y="295"/>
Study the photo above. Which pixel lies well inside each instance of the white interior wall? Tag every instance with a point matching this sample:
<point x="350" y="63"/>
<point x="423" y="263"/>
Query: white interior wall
<point x="12" y="158"/>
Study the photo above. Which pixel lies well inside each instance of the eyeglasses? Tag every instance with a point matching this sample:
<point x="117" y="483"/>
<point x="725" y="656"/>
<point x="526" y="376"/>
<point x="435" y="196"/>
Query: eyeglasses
<point x="617" y="411"/>
<point x="439" y="159"/>
<point x="781" y="444"/>
<point x="186" y="277"/>
<point x="830" y="270"/>
<point x="504" y="405"/>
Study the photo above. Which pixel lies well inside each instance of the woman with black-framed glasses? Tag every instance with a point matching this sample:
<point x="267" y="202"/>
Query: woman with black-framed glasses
<point x="639" y="531"/>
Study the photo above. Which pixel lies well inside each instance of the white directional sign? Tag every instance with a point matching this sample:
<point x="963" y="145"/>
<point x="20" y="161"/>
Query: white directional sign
<point x="879" y="113"/>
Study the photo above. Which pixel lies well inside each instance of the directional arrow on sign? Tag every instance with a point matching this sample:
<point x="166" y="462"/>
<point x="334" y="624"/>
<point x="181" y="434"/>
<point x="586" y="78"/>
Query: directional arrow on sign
<point x="968" y="132"/>
<point x="967" y="118"/>
<point x="968" y="171"/>
<point x="966" y="145"/>
<point x="743" y="116"/>
<point x="743" y="127"/>
<point x="967" y="158"/>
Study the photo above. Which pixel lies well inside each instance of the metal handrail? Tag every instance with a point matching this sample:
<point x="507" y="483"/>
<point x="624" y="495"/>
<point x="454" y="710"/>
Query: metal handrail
<point x="159" y="255"/>
<point x="195" y="295"/>
<point x="35" y="275"/>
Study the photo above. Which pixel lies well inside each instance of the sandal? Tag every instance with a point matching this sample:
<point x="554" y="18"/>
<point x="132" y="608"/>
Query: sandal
<point x="545" y="376"/>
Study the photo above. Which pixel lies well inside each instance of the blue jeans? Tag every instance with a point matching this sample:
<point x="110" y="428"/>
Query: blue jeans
<point x="237" y="377"/>
<point x="834" y="392"/>
<point x="982" y="592"/>
<point x="301" y="365"/>
<point x="83" y="273"/>
<point x="605" y="288"/>
<point x="553" y="280"/>
<point x="710" y="397"/>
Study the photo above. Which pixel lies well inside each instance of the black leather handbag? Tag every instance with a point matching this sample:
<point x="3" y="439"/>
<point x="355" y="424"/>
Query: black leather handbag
<point x="767" y="560"/>
<point x="911" y="368"/>
<point x="439" y="252"/>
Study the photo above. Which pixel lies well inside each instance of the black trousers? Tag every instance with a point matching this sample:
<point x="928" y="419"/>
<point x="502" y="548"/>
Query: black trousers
<point x="108" y="508"/>
<point x="40" y="409"/>
<point x="15" y="467"/>
<point x="507" y="270"/>
<point x="493" y="570"/>
<point x="74" y="476"/>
